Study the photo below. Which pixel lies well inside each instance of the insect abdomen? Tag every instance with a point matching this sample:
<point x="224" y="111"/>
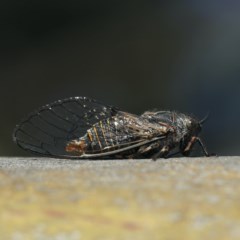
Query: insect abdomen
<point x="95" y="137"/>
<point x="95" y="140"/>
<point x="76" y="146"/>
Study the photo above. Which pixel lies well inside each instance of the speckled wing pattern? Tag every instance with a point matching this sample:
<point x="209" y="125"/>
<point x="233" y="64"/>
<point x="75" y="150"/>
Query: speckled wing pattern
<point x="48" y="130"/>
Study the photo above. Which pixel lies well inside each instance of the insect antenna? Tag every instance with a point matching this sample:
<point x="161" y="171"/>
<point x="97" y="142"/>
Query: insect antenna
<point x="205" y="118"/>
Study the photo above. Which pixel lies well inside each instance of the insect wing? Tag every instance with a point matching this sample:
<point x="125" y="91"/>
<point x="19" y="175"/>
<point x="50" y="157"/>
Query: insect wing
<point x="132" y="145"/>
<point x="117" y="135"/>
<point x="47" y="130"/>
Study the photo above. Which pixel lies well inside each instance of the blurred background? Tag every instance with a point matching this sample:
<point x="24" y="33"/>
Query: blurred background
<point x="137" y="55"/>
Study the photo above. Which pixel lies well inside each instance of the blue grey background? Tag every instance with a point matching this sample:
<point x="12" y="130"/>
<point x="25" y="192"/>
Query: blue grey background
<point x="137" y="55"/>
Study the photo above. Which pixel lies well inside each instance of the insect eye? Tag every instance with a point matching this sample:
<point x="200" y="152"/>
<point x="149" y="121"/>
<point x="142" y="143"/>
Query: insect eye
<point x="188" y="122"/>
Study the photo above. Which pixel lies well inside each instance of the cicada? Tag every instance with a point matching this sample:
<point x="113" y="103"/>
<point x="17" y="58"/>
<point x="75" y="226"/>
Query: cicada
<point x="83" y="128"/>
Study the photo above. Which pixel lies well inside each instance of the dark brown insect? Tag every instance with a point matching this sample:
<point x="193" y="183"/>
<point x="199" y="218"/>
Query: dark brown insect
<point x="81" y="127"/>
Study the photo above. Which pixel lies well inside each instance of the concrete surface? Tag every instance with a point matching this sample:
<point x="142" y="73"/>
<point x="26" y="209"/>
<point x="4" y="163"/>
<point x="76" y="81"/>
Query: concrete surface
<point x="178" y="198"/>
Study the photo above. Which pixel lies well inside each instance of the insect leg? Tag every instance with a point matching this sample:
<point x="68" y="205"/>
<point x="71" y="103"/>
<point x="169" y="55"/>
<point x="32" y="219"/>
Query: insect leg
<point x="203" y="147"/>
<point x="162" y="153"/>
<point x="190" y="144"/>
<point x="172" y="154"/>
<point x="145" y="149"/>
<point x="186" y="151"/>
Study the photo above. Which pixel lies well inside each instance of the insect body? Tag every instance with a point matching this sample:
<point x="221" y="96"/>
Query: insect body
<point x="80" y="127"/>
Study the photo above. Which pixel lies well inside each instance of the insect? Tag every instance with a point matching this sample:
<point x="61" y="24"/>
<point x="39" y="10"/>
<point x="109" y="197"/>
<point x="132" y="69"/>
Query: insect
<point x="80" y="128"/>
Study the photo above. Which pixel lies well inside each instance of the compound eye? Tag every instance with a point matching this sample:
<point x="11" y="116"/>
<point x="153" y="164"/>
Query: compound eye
<point x="188" y="122"/>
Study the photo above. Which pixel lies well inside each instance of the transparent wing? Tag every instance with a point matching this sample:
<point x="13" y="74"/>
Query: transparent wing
<point x="47" y="130"/>
<point x="117" y="135"/>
